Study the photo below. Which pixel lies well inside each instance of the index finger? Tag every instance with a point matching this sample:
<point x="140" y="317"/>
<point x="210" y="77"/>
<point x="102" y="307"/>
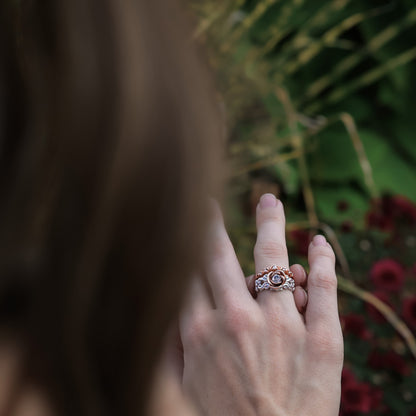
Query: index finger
<point x="223" y="270"/>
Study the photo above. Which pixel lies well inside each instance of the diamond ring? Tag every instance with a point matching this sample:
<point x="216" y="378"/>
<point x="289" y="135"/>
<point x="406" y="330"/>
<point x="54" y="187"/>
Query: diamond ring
<point x="275" y="278"/>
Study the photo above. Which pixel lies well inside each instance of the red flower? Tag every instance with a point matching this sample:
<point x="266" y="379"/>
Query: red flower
<point x="404" y="209"/>
<point x="409" y="311"/>
<point x="301" y="240"/>
<point x="381" y="214"/>
<point x="380" y="221"/>
<point x="376" y="399"/>
<point x="347" y="226"/>
<point x="356" y="397"/>
<point x="355" y="324"/>
<point x="389" y="360"/>
<point x="343" y="205"/>
<point x="397" y="363"/>
<point x="373" y="312"/>
<point x="347" y="376"/>
<point x="387" y="274"/>
<point x="389" y="210"/>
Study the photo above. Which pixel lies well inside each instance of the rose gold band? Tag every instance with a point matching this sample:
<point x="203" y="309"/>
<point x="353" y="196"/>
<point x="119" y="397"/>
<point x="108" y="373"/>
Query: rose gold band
<point x="275" y="278"/>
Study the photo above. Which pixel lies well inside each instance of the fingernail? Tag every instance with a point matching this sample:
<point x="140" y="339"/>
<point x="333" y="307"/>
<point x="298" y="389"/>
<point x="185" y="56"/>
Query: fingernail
<point x="319" y="240"/>
<point x="267" y="201"/>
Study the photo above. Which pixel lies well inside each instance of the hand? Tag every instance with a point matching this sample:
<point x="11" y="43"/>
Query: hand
<point x="246" y="356"/>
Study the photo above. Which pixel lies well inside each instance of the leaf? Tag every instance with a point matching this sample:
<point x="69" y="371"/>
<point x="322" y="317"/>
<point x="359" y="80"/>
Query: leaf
<point x="405" y="132"/>
<point x="333" y="158"/>
<point x="288" y="174"/>
<point x="391" y="173"/>
<point x="273" y="105"/>
<point x="327" y="201"/>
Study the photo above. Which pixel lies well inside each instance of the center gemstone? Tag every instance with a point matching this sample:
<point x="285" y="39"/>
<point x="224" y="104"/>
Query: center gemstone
<point x="277" y="279"/>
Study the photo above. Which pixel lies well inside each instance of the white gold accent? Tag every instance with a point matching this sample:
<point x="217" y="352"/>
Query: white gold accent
<point x="274" y="278"/>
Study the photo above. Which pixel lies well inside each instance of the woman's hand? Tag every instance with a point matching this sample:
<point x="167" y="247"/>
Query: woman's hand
<point x="247" y="356"/>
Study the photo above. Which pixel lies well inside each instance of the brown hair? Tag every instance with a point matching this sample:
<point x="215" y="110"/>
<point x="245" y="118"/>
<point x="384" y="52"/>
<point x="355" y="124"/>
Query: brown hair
<point x="109" y="132"/>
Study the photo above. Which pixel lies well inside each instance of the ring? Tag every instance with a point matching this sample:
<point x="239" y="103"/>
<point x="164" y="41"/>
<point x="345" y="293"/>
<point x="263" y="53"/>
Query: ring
<point x="275" y="278"/>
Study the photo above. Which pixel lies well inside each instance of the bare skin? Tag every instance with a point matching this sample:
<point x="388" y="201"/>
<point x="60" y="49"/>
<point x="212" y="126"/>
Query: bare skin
<point x="279" y="354"/>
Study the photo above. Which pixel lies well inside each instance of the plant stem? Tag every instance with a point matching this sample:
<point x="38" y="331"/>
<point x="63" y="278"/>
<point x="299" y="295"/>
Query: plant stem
<point x="349" y="287"/>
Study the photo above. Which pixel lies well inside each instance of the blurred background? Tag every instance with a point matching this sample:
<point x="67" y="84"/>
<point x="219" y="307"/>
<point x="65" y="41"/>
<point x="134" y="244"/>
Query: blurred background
<point x="319" y="103"/>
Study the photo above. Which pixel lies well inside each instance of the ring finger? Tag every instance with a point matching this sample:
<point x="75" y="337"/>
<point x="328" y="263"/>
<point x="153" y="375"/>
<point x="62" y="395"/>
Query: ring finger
<point x="271" y="249"/>
<point x="300" y="294"/>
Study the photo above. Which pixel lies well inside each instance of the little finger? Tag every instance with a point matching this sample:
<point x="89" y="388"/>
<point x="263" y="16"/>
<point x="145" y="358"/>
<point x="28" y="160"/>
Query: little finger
<point x="299" y="275"/>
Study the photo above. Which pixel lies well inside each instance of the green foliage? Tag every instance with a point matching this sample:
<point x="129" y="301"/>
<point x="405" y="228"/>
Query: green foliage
<point x="320" y="104"/>
<point x="392" y="174"/>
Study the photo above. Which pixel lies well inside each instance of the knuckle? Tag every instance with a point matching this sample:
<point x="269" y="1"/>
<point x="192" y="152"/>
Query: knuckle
<point x="239" y="320"/>
<point x="272" y="249"/>
<point x="324" y="252"/>
<point x="288" y="329"/>
<point x="324" y="279"/>
<point x="219" y="249"/>
<point x="198" y="331"/>
<point x="329" y="344"/>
